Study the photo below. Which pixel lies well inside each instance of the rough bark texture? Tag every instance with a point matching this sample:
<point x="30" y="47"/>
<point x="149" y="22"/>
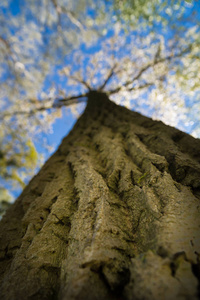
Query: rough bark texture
<point x="113" y="214"/>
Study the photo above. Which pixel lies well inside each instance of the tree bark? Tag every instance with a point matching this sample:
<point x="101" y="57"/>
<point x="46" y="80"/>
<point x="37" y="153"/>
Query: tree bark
<point x="113" y="214"/>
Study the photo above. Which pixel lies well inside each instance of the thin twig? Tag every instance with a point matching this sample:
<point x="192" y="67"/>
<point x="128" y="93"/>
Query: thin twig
<point x="81" y="81"/>
<point x="74" y="20"/>
<point x="134" y="88"/>
<point x="140" y="86"/>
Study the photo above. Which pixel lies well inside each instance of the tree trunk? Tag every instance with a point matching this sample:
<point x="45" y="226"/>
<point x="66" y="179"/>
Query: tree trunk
<point x="113" y="214"/>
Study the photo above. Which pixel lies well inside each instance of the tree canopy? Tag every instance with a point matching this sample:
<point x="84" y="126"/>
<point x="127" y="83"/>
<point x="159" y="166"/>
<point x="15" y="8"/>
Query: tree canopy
<point x="144" y="54"/>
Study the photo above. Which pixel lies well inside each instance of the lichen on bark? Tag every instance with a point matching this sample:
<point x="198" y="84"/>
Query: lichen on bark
<point x="113" y="214"/>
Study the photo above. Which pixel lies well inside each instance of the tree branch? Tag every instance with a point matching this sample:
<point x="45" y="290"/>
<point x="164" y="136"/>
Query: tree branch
<point x="70" y="100"/>
<point x="108" y="78"/>
<point x="61" y="9"/>
<point x="148" y="66"/>
<point x="58" y="103"/>
<point x="6" y="44"/>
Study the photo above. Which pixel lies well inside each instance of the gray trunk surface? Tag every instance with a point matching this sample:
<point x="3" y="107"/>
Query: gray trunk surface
<point x="113" y="214"/>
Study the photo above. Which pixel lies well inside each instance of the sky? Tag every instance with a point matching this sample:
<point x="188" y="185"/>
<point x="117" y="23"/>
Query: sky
<point x="89" y="46"/>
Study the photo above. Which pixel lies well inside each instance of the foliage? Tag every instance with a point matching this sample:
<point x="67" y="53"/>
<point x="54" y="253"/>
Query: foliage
<point x="144" y="54"/>
<point x="154" y="11"/>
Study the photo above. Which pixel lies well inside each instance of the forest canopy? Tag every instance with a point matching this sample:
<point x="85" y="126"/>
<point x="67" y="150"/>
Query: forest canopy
<point x="144" y="54"/>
